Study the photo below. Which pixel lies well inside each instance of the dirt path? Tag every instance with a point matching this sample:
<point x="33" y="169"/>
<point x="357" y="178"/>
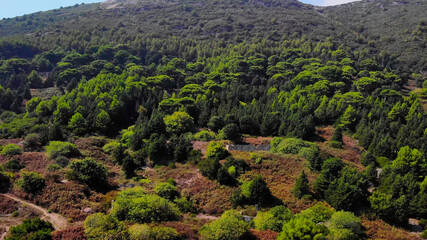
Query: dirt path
<point x="59" y="222"/>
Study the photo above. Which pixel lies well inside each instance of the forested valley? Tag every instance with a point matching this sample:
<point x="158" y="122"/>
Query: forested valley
<point x="193" y="120"/>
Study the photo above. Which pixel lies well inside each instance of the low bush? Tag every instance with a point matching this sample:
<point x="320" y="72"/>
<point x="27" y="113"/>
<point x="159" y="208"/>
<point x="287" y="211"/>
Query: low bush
<point x="143" y="232"/>
<point x="11" y="150"/>
<point x="230" y="226"/>
<point x="64" y="149"/>
<point x="135" y="206"/>
<point x="31" y="182"/>
<point x="273" y="219"/>
<point x="31" y="229"/>
<point x="166" y="190"/>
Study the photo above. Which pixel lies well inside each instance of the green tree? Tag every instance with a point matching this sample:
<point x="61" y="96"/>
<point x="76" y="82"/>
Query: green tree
<point x="302" y="228"/>
<point x="179" y="122"/>
<point x="31" y="229"/>
<point x="90" y="172"/>
<point x="166" y="190"/>
<point x="31" y="182"/>
<point x="217" y="151"/>
<point x="302" y="186"/>
<point x="103" y="121"/>
<point x="35" y="80"/>
<point x="230" y="226"/>
<point x="100" y="226"/>
<point x="11" y="150"/>
<point x="216" y="123"/>
<point x="64" y="149"/>
<point x="231" y="132"/>
<point x="78" y="124"/>
<point x="345" y="225"/>
<point x="273" y="219"/>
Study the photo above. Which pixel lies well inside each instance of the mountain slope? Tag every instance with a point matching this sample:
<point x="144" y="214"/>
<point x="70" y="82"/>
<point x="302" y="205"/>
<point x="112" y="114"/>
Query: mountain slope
<point x="395" y="27"/>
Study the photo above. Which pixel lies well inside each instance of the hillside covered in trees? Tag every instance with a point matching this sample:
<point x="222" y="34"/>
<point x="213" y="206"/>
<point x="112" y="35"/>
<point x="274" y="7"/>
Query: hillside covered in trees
<point x="118" y="117"/>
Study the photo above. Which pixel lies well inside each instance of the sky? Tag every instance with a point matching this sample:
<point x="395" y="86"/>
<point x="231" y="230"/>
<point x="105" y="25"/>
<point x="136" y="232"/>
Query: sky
<point x="13" y="8"/>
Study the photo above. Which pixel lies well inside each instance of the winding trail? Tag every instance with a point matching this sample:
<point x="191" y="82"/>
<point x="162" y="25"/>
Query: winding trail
<point x="59" y="222"/>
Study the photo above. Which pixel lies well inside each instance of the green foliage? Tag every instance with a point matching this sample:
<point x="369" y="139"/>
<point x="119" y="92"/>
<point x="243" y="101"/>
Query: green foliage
<point x="90" y="172"/>
<point x="230" y="226"/>
<point x="4" y="182"/>
<point x="302" y="228"/>
<point x="209" y="168"/>
<point x="135" y="206"/>
<point x="11" y="150"/>
<point x="166" y="190"/>
<point x="348" y="191"/>
<point x="64" y="149"/>
<point x="204" y="135"/>
<point x="14" y="165"/>
<point x="31" y="182"/>
<point x="256" y="191"/>
<point x="216" y="123"/>
<point x="78" y="124"/>
<point x="345" y="225"/>
<point x="302" y="186"/>
<point x="318" y="213"/>
<point x="217" y="151"/>
<point x="273" y="219"/>
<point x="32" y="141"/>
<point x="142" y="232"/>
<point x="231" y="132"/>
<point x="179" y="122"/>
<point x="309" y="151"/>
<point x="102" y="226"/>
<point x="31" y="229"/>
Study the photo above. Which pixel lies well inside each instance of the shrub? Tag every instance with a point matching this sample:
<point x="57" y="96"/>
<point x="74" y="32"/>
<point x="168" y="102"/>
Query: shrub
<point x="14" y="165"/>
<point x="302" y="228"/>
<point x="32" y="141"/>
<point x="344" y="225"/>
<point x="111" y="147"/>
<point x="4" y="182"/>
<point x="230" y="226"/>
<point x="185" y="205"/>
<point x="273" y="219"/>
<point x="65" y="149"/>
<point x="256" y="191"/>
<point x="335" y="144"/>
<point x="224" y="177"/>
<point x="308" y="150"/>
<point x="11" y="150"/>
<point x="31" y="182"/>
<point x="231" y="132"/>
<point x="179" y="122"/>
<point x="62" y="161"/>
<point x="204" y="135"/>
<point x="143" y="232"/>
<point x="318" y="213"/>
<point x="101" y="226"/>
<point x="53" y="168"/>
<point x="217" y="151"/>
<point x="31" y="229"/>
<point x="135" y="206"/>
<point x="367" y="158"/>
<point x="166" y="190"/>
<point x="89" y="172"/>
<point x="209" y="168"/>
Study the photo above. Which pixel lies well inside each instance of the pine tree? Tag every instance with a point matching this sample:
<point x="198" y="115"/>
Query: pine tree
<point x="302" y="186"/>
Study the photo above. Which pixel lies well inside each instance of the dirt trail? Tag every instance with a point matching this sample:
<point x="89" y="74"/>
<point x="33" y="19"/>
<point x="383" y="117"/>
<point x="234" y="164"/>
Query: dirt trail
<point x="59" y="222"/>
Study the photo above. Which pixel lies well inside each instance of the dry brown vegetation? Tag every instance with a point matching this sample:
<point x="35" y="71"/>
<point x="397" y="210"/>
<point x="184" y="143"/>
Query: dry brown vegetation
<point x="350" y="151"/>
<point x="379" y="230"/>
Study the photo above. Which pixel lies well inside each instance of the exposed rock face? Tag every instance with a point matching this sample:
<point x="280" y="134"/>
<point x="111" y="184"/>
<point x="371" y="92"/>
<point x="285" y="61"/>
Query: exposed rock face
<point x="110" y="4"/>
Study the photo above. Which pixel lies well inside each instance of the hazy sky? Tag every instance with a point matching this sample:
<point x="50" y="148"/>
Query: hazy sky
<point x="13" y="8"/>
